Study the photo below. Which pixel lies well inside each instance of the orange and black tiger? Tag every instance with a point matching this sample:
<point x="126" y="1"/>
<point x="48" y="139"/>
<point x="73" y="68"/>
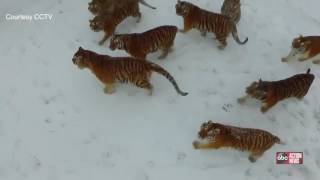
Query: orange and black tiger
<point x="141" y="44"/>
<point x="103" y="6"/>
<point x="110" y="70"/>
<point x="305" y="48"/>
<point x="215" y="136"/>
<point x="270" y="92"/>
<point x="206" y="21"/>
<point x="109" y="21"/>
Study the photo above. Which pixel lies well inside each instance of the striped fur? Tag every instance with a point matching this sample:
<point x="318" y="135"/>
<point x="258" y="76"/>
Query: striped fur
<point x="140" y="44"/>
<point x="305" y="48"/>
<point x="232" y="9"/>
<point x="103" y="6"/>
<point x="271" y="92"/>
<point x="217" y="135"/>
<point x="205" y="21"/>
<point x="110" y="70"/>
<point x="109" y="22"/>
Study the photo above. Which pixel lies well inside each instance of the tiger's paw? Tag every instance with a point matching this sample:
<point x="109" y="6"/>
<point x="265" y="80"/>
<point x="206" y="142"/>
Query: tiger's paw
<point x="109" y="90"/>
<point x="252" y="159"/>
<point x="196" y="144"/>
<point x="264" y="109"/>
<point x="316" y="62"/>
<point x="284" y="59"/>
<point x="221" y="47"/>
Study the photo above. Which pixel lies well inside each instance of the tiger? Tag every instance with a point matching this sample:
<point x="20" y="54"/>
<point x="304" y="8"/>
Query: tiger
<point x="109" y="22"/>
<point x="140" y="44"/>
<point x="232" y="9"/>
<point x="98" y="6"/>
<point x="203" y="20"/>
<point x="271" y="92"/>
<point x="216" y="135"/>
<point x="305" y="47"/>
<point x="110" y="70"/>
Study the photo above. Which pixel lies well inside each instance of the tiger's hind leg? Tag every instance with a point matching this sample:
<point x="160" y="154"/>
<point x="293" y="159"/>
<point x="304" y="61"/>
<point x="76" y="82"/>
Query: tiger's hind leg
<point x="223" y="42"/>
<point x="145" y="84"/>
<point x="254" y="156"/>
<point x="164" y="53"/>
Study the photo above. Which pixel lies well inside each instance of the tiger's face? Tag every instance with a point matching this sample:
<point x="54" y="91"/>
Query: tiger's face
<point x="183" y="8"/>
<point x="93" y="7"/>
<point x="300" y="43"/>
<point x="81" y="58"/>
<point x="116" y="42"/>
<point x="97" y="24"/>
<point x="258" y="89"/>
<point x="209" y="131"/>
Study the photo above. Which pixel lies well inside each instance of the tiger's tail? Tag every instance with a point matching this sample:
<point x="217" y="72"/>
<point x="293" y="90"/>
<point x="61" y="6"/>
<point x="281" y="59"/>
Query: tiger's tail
<point x="308" y="71"/>
<point x="146" y="4"/>
<point x="235" y="35"/>
<point x="166" y="74"/>
<point x="278" y="141"/>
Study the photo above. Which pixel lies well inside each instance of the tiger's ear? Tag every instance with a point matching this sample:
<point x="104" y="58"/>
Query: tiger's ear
<point x="260" y="80"/>
<point x="80" y="48"/>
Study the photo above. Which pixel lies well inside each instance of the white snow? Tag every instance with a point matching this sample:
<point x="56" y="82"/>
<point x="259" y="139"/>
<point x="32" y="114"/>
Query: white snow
<point x="57" y="124"/>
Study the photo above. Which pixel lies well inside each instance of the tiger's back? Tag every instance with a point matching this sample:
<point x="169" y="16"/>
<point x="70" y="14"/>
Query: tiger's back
<point x="141" y="44"/>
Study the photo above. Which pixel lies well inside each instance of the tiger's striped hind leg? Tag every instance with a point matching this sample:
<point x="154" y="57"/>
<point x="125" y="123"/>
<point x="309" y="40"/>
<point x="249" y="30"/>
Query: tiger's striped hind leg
<point x="109" y="88"/>
<point x="145" y="84"/>
<point x="223" y="42"/>
<point x="254" y="156"/>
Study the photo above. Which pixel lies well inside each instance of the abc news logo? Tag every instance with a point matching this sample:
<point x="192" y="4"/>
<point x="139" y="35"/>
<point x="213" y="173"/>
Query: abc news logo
<point x="289" y="158"/>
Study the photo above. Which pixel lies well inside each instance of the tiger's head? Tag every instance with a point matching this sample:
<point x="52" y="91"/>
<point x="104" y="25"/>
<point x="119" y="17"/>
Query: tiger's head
<point x="300" y="43"/>
<point x="258" y="89"/>
<point x="82" y="58"/>
<point x="93" y="7"/>
<point x="117" y="42"/>
<point x="183" y="8"/>
<point x="210" y="131"/>
<point x="97" y="23"/>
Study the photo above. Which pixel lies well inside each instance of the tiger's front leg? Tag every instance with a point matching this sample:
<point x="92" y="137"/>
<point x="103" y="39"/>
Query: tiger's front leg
<point x="305" y="56"/>
<point x="243" y="99"/>
<point x="199" y="145"/>
<point x="187" y="27"/>
<point x="138" y="17"/>
<point x="203" y="33"/>
<point x="268" y="104"/>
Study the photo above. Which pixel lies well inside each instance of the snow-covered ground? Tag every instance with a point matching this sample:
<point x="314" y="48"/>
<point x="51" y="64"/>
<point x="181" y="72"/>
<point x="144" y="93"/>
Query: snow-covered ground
<point x="57" y="124"/>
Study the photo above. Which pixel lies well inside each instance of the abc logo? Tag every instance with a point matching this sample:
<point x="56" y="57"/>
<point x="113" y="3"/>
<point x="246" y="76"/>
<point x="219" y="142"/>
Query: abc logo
<point x="282" y="157"/>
